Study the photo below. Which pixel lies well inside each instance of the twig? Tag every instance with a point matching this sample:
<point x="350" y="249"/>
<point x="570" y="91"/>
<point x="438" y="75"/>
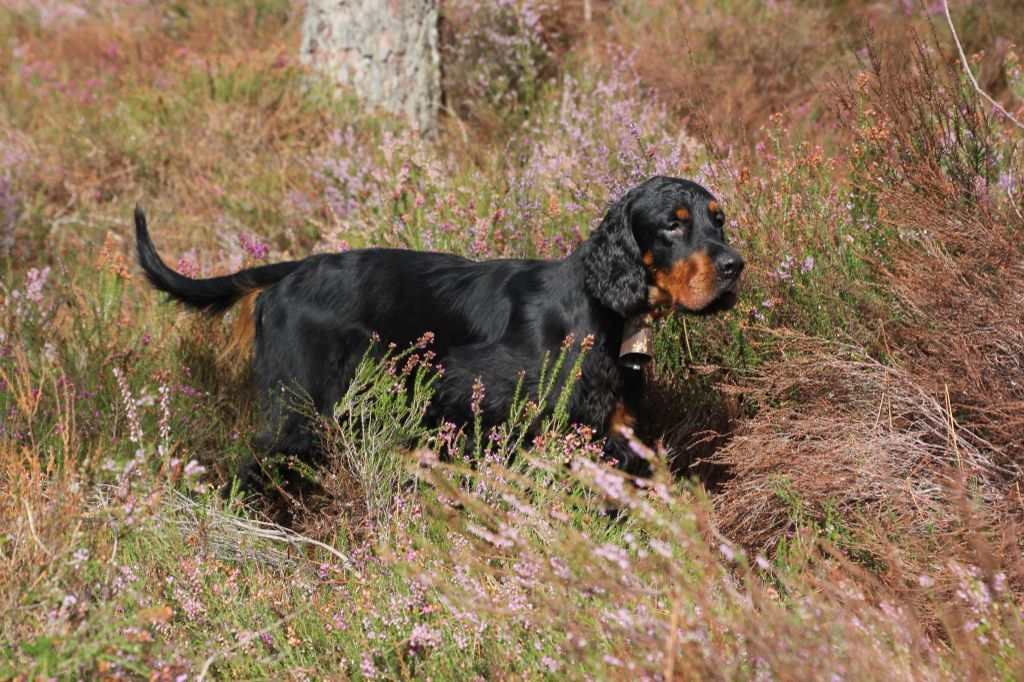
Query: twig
<point x="970" y="74"/>
<point x="670" y="643"/>
<point x="226" y="524"/>
<point x="686" y="338"/>
<point x="32" y="527"/>
<point x="462" y="126"/>
<point x="881" y="400"/>
<point x="951" y="425"/>
<point x="913" y="497"/>
<point x="272" y="531"/>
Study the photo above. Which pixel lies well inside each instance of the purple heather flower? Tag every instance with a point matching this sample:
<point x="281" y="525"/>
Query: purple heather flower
<point x="256" y="249"/>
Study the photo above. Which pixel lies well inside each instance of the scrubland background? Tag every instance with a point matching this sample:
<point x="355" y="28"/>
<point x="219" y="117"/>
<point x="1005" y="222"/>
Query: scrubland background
<point x="839" y="478"/>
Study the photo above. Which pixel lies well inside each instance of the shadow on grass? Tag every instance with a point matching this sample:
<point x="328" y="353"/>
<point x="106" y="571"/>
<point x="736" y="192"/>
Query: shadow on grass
<point x="692" y="419"/>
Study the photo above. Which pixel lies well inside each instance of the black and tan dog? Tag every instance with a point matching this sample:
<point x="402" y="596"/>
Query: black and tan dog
<point x="660" y="246"/>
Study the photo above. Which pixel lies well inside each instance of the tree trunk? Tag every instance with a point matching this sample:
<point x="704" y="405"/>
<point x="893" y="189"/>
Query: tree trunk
<point x="385" y="49"/>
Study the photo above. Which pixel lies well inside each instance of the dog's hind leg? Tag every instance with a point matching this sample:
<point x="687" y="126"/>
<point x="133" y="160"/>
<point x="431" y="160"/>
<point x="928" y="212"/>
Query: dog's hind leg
<point x="302" y="385"/>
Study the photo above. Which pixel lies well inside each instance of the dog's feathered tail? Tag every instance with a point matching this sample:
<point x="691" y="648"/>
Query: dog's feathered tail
<point x="214" y="295"/>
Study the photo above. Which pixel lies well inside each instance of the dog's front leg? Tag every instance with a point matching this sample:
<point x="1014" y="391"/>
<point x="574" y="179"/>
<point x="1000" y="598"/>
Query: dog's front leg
<point x="622" y="446"/>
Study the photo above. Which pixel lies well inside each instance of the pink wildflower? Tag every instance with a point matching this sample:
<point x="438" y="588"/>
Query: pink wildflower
<point x="255" y="248"/>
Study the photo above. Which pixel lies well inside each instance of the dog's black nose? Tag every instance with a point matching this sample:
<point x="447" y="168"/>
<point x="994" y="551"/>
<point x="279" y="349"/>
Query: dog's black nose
<point x="729" y="264"/>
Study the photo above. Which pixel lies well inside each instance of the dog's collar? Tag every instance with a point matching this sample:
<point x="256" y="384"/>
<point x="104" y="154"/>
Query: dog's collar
<point x="637" y="341"/>
<point x="637" y="347"/>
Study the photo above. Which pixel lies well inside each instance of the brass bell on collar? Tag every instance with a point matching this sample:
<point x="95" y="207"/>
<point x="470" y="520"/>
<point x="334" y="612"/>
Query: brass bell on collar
<point x="637" y="342"/>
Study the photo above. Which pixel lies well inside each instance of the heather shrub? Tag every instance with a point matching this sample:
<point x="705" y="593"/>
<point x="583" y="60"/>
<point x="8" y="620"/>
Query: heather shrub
<point x="940" y="168"/>
<point x="377" y="419"/>
<point x="497" y="58"/>
<point x="736" y="63"/>
<point x="376" y="438"/>
<point x="13" y="157"/>
<point x="1014" y="74"/>
<point x="662" y="593"/>
<point x="538" y="199"/>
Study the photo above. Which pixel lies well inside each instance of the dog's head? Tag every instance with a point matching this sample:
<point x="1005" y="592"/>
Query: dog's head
<point x="660" y="245"/>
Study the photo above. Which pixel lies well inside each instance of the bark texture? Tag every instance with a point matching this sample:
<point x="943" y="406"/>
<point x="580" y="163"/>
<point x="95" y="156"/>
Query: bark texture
<point x="387" y="50"/>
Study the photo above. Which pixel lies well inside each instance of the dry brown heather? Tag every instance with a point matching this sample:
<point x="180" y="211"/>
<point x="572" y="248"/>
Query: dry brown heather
<point x="840" y="457"/>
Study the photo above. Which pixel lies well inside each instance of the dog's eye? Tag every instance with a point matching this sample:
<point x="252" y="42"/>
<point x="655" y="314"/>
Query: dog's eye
<point x="676" y="228"/>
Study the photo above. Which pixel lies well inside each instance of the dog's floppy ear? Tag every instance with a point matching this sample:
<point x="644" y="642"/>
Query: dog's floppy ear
<point x="614" y="270"/>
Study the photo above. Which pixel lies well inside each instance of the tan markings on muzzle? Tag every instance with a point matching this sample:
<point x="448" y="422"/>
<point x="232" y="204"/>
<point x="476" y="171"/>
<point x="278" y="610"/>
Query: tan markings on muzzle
<point x="621" y="419"/>
<point x="690" y="283"/>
